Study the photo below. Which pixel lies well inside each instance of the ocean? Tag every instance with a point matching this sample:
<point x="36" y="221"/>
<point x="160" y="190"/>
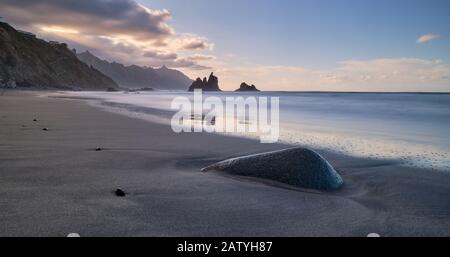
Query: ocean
<point x="410" y="128"/>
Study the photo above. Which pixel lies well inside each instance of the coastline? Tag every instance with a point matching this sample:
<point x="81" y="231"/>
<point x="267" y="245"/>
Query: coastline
<point x="54" y="183"/>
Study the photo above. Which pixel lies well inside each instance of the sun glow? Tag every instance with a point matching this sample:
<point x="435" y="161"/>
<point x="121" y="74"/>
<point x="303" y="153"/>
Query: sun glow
<point x="57" y="29"/>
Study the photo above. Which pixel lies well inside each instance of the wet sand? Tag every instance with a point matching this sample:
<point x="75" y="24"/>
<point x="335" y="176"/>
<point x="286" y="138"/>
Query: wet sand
<point x="54" y="182"/>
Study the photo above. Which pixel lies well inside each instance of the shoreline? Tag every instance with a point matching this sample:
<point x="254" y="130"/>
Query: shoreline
<point x="408" y="152"/>
<point x="55" y="184"/>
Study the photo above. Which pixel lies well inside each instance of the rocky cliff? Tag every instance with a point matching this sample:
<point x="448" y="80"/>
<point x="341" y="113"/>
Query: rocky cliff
<point x="212" y="84"/>
<point x="30" y="62"/>
<point x="136" y="76"/>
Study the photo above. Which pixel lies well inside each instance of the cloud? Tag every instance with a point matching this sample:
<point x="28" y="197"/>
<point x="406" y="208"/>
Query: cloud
<point x="97" y="17"/>
<point x="185" y="63"/>
<point x="409" y="70"/>
<point x="388" y="74"/>
<point x="191" y="42"/>
<point x="195" y="45"/>
<point x="426" y="38"/>
<point x="384" y="74"/>
<point x="201" y="57"/>
<point x="116" y="30"/>
<point x="160" y="55"/>
<point x="172" y="60"/>
<point x="125" y="52"/>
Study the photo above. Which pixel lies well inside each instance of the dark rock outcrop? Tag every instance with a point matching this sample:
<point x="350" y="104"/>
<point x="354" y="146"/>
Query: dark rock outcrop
<point x="144" y="89"/>
<point x="134" y="77"/>
<point x="212" y="84"/>
<point x="119" y="192"/>
<point x="245" y="87"/>
<point x="112" y="89"/>
<point x="30" y="62"/>
<point x="197" y="84"/>
<point x="299" y="167"/>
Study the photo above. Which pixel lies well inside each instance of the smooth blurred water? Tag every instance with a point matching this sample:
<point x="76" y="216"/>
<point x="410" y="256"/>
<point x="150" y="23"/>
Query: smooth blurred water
<point x="411" y="128"/>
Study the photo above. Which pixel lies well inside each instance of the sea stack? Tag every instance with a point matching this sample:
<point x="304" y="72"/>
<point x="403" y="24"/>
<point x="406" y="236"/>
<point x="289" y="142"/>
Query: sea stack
<point x="212" y="84"/>
<point x="245" y="87"/>
<point x="299" y="167"/>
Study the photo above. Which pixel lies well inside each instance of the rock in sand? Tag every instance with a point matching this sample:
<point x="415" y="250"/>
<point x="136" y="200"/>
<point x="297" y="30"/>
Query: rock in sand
<point x="299" y="167"/>
<point x="119" y="192"/>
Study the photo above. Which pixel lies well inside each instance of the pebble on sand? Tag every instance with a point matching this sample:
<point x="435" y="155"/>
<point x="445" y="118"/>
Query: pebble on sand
<point x="45" y="129"/>
<point x="98" y="149"/>
<point x="119" y="192"/>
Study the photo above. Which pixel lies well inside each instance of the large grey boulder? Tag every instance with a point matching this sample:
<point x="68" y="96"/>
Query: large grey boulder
<point x="297" y="166"/>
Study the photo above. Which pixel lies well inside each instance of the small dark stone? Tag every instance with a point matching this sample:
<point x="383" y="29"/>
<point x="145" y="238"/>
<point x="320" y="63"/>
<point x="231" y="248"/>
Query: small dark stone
<point x="98" y="149"/>
<point x="119" y="192"/>
<point x="45" y="129"/>
<point x="34" y="119"/>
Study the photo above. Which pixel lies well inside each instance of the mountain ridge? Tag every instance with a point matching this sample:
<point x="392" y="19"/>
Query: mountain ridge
<point x="134" y="76"/>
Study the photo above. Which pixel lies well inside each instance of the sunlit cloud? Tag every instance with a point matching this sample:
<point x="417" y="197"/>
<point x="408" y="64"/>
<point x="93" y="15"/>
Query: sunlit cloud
<point x="201" y="57"/>
<point x="427" y="38"/>
<point x="190" y="42"/>
<point x="56" y="29"/>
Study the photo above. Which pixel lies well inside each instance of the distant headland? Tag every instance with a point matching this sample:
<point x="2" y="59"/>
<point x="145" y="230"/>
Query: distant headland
<point x="212" y="84"/>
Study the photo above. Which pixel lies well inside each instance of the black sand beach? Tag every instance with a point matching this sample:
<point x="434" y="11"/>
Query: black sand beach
<point x="54" y="183"/>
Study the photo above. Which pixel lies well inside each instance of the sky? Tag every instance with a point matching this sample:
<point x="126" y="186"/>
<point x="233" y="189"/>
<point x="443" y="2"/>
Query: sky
<point x="293" y="45"/>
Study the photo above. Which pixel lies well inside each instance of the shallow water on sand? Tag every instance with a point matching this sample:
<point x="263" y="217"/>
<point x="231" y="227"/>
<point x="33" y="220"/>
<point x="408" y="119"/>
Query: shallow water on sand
<point x="410" y="128"/>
